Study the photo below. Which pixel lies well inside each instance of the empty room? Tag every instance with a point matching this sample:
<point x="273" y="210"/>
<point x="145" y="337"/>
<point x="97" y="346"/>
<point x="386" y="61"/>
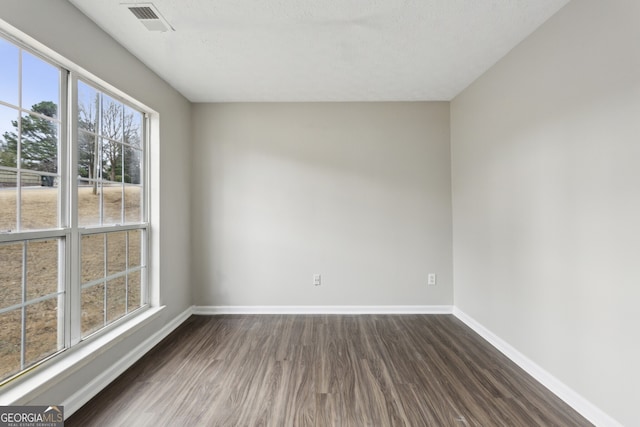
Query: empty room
<point x="293" y="213"/>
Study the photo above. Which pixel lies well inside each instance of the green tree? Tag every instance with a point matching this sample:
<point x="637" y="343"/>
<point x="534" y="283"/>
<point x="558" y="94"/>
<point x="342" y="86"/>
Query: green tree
<point x="38" y="142"/>
<point x="7" y="157"/>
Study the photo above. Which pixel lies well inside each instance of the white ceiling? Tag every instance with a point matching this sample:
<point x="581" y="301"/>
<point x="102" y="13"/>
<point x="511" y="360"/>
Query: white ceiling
<point x="323" y="50"/>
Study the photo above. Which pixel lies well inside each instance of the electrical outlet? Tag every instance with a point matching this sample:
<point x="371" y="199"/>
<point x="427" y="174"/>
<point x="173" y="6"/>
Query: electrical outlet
<point x="432" y="279"/>
<point x="317" y="280"/>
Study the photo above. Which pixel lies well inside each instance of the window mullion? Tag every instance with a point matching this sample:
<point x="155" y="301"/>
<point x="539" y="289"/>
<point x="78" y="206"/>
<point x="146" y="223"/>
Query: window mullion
<point x="30" y="235"/>
<point x="19" y="148"/>
<point x="64" y="245"/>
<point x="104" y="283"/>
<point x="74" y="298"/>
<point x="145" y="175"/>
<point x="64" y="143"/>
<point x="126" y="278"/>
<point x="99" y="155"/>
<point x="121" y="147"/>
<point x="23" y="321"/>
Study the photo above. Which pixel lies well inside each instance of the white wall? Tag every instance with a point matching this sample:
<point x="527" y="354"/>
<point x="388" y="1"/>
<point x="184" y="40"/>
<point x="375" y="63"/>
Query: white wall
<point x="357" y="192"/>
<point x="545" y="192"/>
<point x="61" y="27"/>
<point x="546" y="201"/>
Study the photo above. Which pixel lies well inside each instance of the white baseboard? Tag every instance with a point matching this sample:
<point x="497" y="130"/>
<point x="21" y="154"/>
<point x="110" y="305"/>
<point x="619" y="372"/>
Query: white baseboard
<point x="86" y="393"/>
<point x="585" y="408"/>
<point x="568" y="395"/>
<point x="322" y="309"/>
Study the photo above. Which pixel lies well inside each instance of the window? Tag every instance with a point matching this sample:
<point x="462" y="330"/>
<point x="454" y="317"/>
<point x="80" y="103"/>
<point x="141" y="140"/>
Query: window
<point x="73" y="211"/>
<point x="110" y="194"/>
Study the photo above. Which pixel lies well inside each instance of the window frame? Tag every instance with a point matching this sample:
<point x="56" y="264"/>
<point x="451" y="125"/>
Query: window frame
<point x="60" y="232"/>
<point x="67" y="231"/>
<point x="77" y="232"/>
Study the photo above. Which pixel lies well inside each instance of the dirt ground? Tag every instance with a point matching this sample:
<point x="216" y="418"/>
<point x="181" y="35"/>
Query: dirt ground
<point x="101" y="255"/>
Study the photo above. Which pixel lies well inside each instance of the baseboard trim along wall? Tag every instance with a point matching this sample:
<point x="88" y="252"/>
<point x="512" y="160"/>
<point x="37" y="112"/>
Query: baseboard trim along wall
<point x="86" y="393"/>
<point x="568" y="395"/>
<point x="588" y="410"/>
<point x="322" y="309"/>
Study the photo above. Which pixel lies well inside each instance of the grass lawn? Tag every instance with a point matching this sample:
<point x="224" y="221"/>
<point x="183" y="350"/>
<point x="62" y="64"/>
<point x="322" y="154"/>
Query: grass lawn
<point x="100" y="254"/>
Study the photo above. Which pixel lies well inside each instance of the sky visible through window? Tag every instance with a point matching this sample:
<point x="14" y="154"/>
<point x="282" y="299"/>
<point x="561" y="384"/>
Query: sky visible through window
<point x="40" y="82"/>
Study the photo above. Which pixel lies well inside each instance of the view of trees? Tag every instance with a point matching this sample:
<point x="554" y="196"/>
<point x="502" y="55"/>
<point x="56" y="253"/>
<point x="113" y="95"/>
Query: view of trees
<point x="115" y="161"/>
<point x="39" y="141"/>
<point x="105" y="142"/>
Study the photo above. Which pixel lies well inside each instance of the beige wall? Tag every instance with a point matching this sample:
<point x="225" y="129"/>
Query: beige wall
<point x="62" y="28"/>
<point x="359" y="193"/>
<point x="546" y="201"/>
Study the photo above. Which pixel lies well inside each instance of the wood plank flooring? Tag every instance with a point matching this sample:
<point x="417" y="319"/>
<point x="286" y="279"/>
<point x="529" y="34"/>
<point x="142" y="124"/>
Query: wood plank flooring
<point x="325" y="370"/>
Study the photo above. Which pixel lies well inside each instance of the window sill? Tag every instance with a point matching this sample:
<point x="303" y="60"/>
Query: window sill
<point x="25" y="388"/>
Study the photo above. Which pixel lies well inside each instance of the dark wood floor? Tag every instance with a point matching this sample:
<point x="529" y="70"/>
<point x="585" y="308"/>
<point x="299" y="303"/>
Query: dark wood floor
<point x="333" y="370"/>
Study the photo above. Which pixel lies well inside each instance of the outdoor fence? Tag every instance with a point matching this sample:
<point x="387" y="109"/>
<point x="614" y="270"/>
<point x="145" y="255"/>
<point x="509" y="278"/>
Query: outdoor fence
<point x="27" y="179"/>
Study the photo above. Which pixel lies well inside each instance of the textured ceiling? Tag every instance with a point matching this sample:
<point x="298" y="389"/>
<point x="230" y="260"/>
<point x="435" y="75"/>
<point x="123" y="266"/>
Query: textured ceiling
<point x="323" y="50"/>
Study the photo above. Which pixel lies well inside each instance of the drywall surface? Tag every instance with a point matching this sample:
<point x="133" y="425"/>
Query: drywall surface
<point x="62" y="28"/>
<point x="359" y="193"/>
<point x="546" y="202"/>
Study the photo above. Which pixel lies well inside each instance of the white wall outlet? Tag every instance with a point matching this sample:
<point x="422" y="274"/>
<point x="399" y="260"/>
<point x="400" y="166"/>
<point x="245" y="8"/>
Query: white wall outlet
<point x="432" y="279"/>
<point x="317" y="280"/>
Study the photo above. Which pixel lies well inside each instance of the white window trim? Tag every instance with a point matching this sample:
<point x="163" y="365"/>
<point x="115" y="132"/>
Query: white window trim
<point x="45" y="374"/>
<point x="74" y="323"/>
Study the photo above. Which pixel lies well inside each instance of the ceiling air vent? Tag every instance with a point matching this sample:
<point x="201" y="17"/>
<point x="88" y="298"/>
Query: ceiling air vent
<point x="143" y="12"/>
<point x="148" y="14"/>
